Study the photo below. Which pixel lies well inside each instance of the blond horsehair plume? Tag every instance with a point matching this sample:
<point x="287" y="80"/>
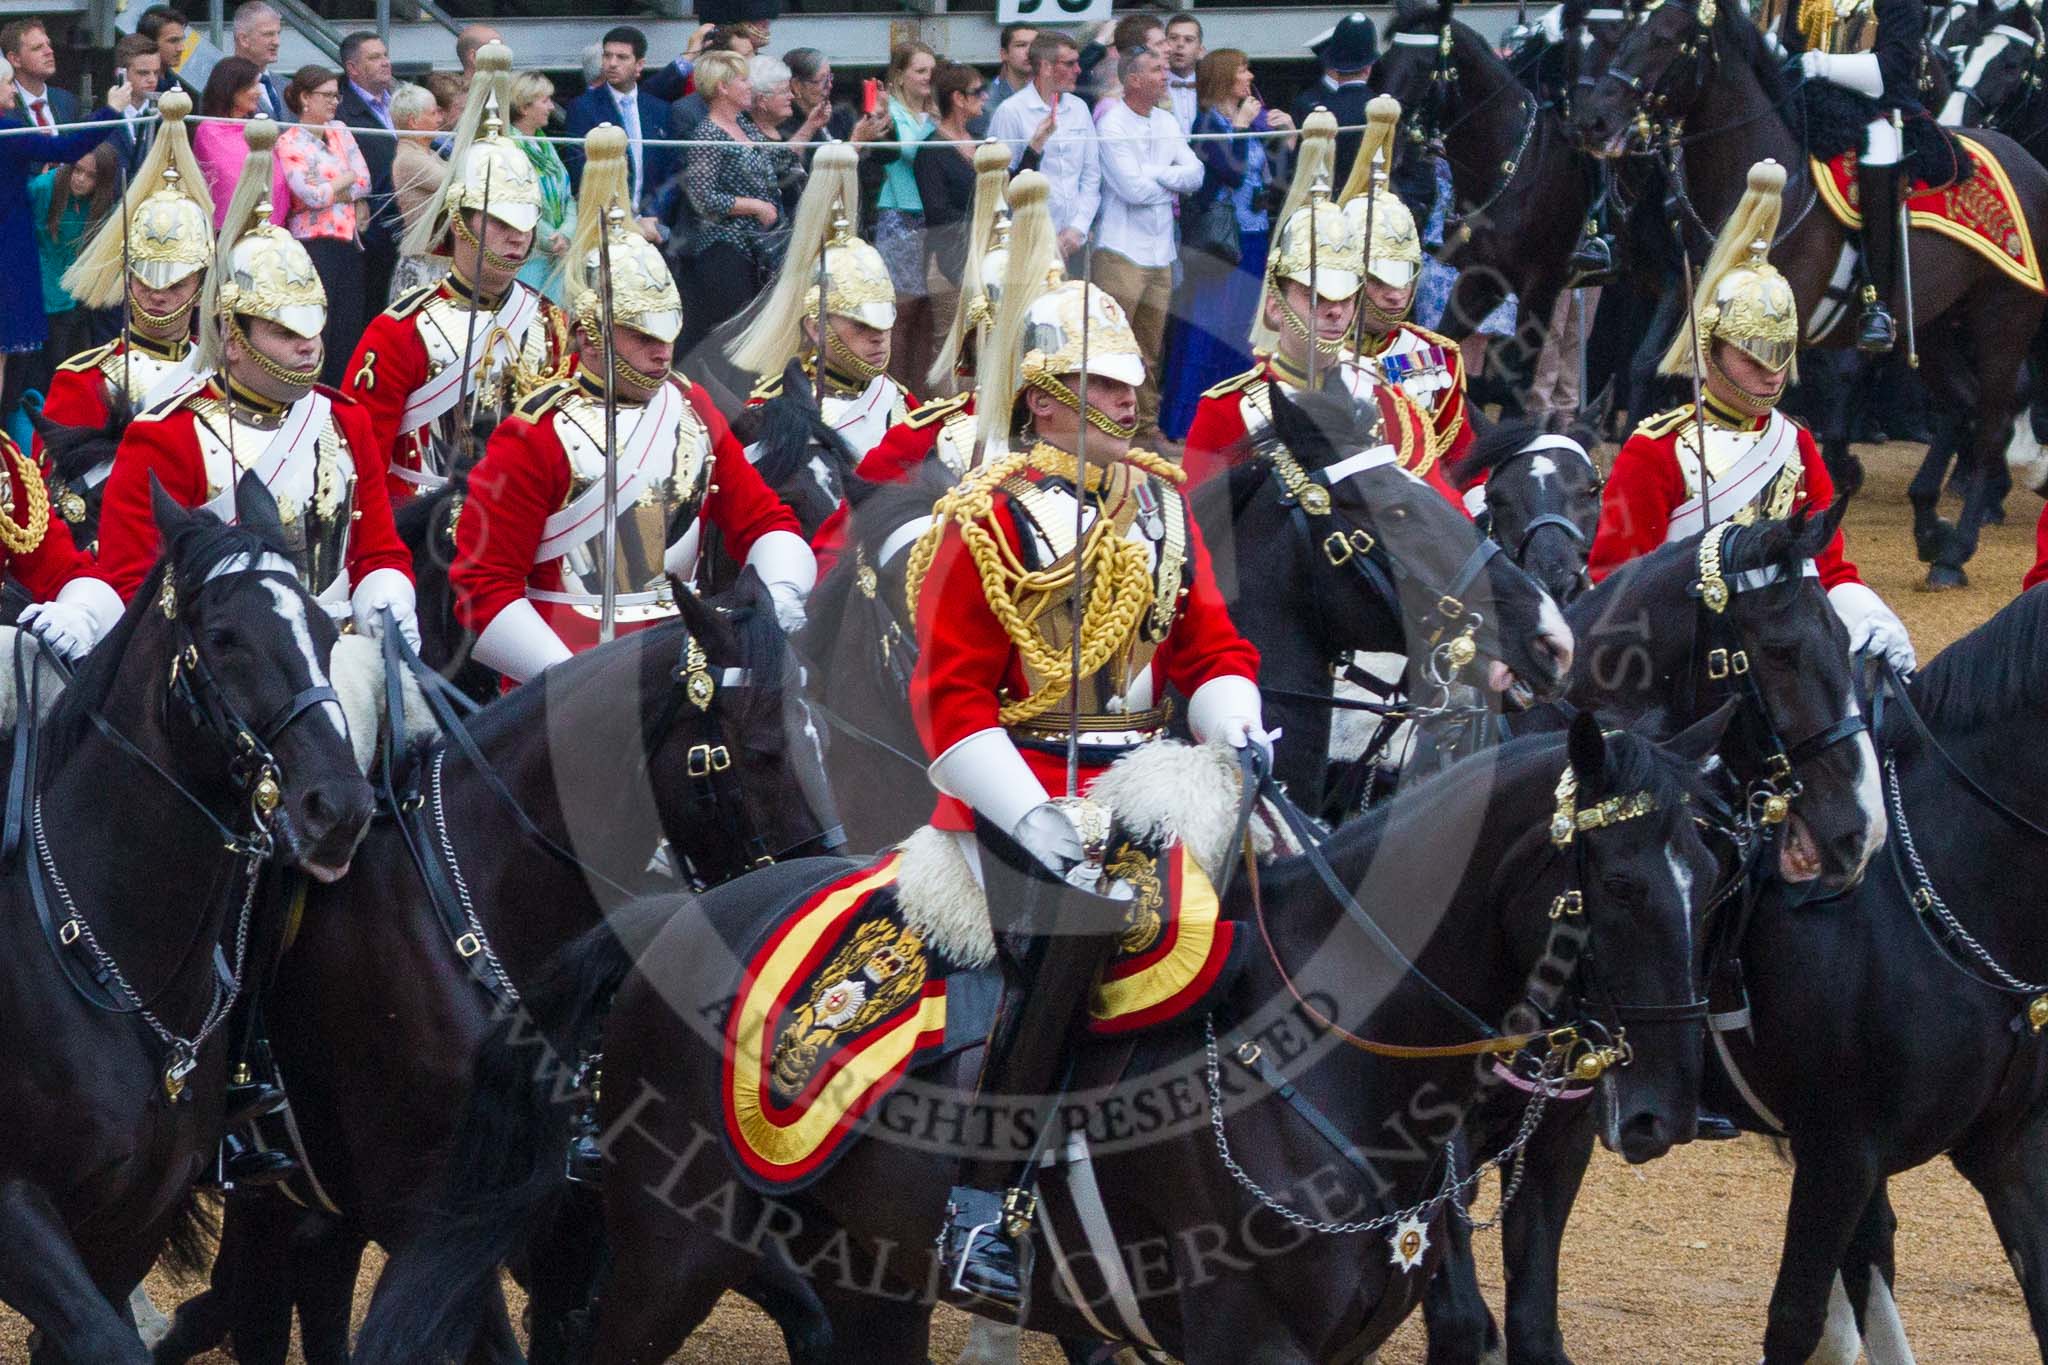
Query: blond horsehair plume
<point x="1382" y="121"/>
<point x="1315" y="163"/>
<point x="1741" y="297"/>
<point x="1033" y="243"/>
<point x="991" y="178"/>
<point x="248" y="211"/>
<point x="161" y="232"/>
<point x="490" y="94"/>
<point x="775" y="335"/>
<point x="607" y="180"/>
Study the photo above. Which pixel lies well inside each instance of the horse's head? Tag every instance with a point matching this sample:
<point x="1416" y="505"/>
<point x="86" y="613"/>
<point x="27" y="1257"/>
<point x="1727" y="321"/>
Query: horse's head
<point x="1542" y="500"/>
<point x="1420" y="67"/>
<point x="2001" y="68"/>
<point x="1659" y="69"/>
<point x="795" y="451"/>
<point x="1660" y="651"/>
<point x="251" y="712"/>
<point x="1626" y="841"/>
<point x="1593" y="33"/>
<point x="1368" y="523"/>
<point x="728" y="729"/>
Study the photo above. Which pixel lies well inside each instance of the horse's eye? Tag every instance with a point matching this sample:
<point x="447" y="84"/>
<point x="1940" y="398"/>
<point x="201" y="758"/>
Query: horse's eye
<point x="222" y="638"/>
<point x="1398" y="513"/>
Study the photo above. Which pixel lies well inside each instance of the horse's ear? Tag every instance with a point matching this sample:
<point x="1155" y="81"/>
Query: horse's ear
<point x="1443" y="14"/>
<point x="1588" y="751"/>
<point x="1574" y="14"/>
<point x="1298" y="430"/>
<point x="708" y="625"/>
<point x="170" y="517"/>
<point x="1814" y="532"/>
<point x="795" y="381"/>
<point x="256" y="510"/>
<point x="1703" y="737"/>
<point x="1586" y="425"/>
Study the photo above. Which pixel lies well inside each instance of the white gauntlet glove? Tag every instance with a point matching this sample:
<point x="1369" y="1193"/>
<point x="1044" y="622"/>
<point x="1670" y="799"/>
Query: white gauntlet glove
<point x="1875" y="631"/>
<point x="1048" y="835"/>
<point x="384" y="588"/>
<point x="1226" y="710"/>
<point x="789" y="569"/>
<point x="1856" y="71"/>
<point x="83" y="611"/>
<point x="518" y="643"/>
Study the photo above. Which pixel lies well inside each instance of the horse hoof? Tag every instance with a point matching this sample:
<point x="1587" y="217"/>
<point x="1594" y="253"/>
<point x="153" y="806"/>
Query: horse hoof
<point x="1848" y="476"/>
<point x="1945" y="578"/>
<point x="1930" y="537"/>
<point x="1994" y="515"/>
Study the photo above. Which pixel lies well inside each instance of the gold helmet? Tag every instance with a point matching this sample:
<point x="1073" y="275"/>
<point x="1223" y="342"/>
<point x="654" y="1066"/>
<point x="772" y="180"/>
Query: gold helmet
<point x="1742" y="299"/>
<point x="484" y="166"/>
<point x="1331" y="259"/>
<point x="1394" y="255"/>
<point x="644" y="295"/>
<point x="260" y="270"/>
<point x="1045" y="324"/>
<point x="169" y="235"/>
<point x="982" y="264"/>
<point x="857" y="283"/>
<point x="826" y="225"/>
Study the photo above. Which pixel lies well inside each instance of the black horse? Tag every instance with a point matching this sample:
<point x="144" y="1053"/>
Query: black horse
<point x="693" y="736"/>
<point x="1642" y="672"/>
<point x="208" y="708"/>
<point x="1542" y="499"/>
<point x="804" y="462"/>
<point x="1235" y="1280"/>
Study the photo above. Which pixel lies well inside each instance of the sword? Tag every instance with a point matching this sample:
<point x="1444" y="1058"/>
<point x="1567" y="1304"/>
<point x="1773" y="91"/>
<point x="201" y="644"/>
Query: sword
<point x="1699" y="365"/>
<point x="824" y="285"/>
<point x="1080" y="526"/>
<point x="1372" y="194"/>
<point x="127" y="295"/>
<point x="465" y="395"/>
<point x="608" y="602"/>
<point x="1906" y="249"/>
<point x="1316" y="196"/>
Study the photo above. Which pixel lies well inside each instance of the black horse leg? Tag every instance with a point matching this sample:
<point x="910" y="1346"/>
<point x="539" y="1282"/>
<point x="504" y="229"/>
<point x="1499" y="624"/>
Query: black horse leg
<point x="1461" y="1328"/>
<point x="326" y="1260"/>
<point x="787" y="1297"/>
<point x="43" y="1278"/>
<point x="1532" y="1233"/>
<point x="1868" y="1273"/>
<point x="1831" y="1186"/>
<point x="2011" y="1172"/>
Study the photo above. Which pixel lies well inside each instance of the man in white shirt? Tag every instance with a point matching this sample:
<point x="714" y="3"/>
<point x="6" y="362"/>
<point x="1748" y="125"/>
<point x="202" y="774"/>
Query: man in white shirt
<point x="258" y="31"/>
<point x="1049" y="131"/>
<point x="1146" y="166"/>
<point x="1183" y="52"/>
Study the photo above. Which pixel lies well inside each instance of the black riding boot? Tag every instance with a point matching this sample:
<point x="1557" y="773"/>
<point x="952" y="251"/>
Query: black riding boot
<point x="1878" y="187"/>
<point x="1054" y="941"/>
<point x="252" y="1094"/>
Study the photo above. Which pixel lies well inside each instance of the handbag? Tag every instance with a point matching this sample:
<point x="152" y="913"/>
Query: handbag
<point x="1211" y="226"/>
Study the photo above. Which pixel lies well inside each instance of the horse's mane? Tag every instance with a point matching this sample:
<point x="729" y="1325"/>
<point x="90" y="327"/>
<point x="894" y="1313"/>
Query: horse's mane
<point x="74" y="450"/>
<point x="191" y="552"/>
<point x="1494" y="447"/>
<point x="1343" y="423"/>
<point x="1991" y="673"/>
<point x="414" y="519"/>
<point x="1414" y="16"/>
<point x="783" y="429"/>
<point x="1733" y="30"/>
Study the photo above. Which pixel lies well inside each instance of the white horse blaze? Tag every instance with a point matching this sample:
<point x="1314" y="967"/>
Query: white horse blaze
<point x="291" y="605"/>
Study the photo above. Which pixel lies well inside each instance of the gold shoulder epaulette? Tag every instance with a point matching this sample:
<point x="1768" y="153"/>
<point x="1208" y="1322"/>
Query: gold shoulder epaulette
<point x="769" y="387"/>
<point x="87" y="360"/>
<point x="1237" y="383"/>
<point x="537" y="404"/>
<point x="1664" y="423"/>
<point x="412" y="300"/>
<point x="170" y="403"/>
<point x="1434" y="338"/>
<point x="935" y="411"/>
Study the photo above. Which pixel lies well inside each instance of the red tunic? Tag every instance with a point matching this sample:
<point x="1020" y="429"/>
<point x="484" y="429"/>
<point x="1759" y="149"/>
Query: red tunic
<point x="1217" y="439"/>
<point x="164" y="443"/>
<point x="56" y="559"/>
<point x="524" y="478"/>
<point x="2039" y="573"/>
<point x="391" y="362"/>
<point x="1449" y="418"/>
<point x="1646" y="485"/>
<point x="965" y="658"/>
<point x="901" y="452"/>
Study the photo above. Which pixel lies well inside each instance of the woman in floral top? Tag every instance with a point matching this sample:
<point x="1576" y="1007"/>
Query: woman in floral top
<point x="325" y="171"/>
<point x="533" y="104"/>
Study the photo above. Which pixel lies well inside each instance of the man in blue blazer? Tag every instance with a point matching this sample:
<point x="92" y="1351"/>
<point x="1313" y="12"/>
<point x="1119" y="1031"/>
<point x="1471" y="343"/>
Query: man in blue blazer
<point x="26" y="44"/>
<point x="620" y="100"/>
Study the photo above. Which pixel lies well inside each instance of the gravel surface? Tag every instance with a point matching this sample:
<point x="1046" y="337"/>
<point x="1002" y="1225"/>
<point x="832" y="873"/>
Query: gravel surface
<point x="1673" y="1261"/>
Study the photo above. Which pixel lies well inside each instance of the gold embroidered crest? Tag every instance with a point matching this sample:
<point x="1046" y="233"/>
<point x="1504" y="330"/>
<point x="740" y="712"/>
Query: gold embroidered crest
<point x="878" y="971"/>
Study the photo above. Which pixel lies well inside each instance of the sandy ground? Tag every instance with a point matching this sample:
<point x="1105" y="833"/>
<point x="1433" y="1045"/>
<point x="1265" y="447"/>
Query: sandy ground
<point x="1674" y="1261"/>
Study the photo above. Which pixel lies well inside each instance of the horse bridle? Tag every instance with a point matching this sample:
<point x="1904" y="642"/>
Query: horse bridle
<point x="1571" y="529"/>
<point x="2030" y="76"/>
<point x="1719" y="659"/>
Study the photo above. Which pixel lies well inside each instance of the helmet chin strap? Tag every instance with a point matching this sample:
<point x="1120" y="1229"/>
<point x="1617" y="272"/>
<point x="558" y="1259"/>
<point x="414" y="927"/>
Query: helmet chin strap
<point x="458" y="223"/>
<point x="631" y="377"/>
<point x="1092" y="415"/>
<point x="1297" y="324"/>
<point x="1738" y="397"/>
<point x="283" y="374"/>
<point x="843" y="354"/>
<point x="163" y="324"/>
<point x="1382" y="315"/>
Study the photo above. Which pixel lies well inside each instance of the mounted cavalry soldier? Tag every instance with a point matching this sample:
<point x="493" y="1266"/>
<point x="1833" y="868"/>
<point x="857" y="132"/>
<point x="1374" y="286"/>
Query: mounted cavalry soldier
<point x="477" y="343"/>
<point x="253" y="405"/>
<point x="159" y="249"/>
<point x="993" y="582"/>
<point x="1757" y="462"/>
<point x="1307" y="312"/>
<point x="856" y="395"/>
<point x="1426" y="366"/>
<point x="1888" y="71"/>
<point x="529" y="541"/>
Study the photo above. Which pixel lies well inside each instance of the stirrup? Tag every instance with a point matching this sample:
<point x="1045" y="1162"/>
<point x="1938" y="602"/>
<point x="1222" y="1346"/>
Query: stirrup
<point x="1592" y="261"/>
<point x="979" y="1245"/>
<point x="1876" y="332"/>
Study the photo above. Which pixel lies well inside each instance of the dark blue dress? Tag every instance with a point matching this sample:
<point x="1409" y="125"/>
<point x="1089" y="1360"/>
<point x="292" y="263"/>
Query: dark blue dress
<point x="22" y="325"/>
<point x="1210" y="335"/>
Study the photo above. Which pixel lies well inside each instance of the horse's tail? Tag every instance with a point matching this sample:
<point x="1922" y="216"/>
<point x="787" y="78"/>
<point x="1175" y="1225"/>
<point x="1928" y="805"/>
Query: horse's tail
<point x="195" y="1229"/>
<point x="508" y="1169"/>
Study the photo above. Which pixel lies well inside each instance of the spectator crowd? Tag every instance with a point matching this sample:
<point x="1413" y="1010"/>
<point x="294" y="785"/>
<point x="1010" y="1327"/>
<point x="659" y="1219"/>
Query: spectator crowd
<point x="1132" y="125"/>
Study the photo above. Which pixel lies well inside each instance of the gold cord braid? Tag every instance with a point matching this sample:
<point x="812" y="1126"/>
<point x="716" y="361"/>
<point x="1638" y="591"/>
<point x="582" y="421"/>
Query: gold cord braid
<point x="24" y="536"/>
<point x="1120" y="585"/>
